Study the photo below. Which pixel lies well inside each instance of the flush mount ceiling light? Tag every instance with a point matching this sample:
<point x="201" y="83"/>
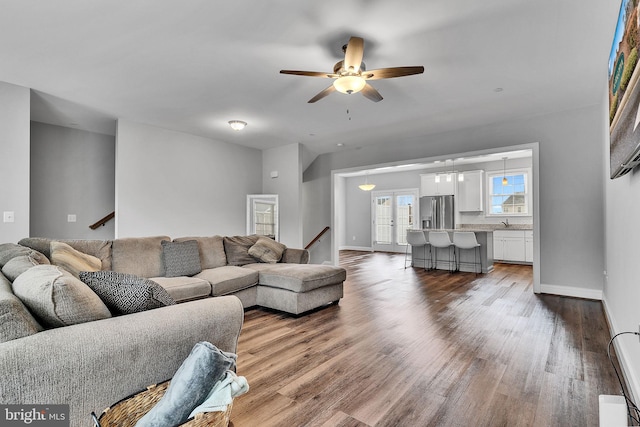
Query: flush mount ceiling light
<point x="237" y="124"/>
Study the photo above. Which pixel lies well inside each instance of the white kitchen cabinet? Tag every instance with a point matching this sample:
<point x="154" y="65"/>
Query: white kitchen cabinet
<point x="429" y="185"/>
<point x="470" y="195"/>
<point x="528" y="246"/>
<point x="511" y="246"/>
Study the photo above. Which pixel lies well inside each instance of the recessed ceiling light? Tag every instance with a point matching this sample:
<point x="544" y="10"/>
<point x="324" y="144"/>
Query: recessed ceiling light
<point x="339" y="144"/>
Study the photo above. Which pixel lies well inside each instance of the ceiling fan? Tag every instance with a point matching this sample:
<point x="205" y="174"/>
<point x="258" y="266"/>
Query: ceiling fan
<point x="351" y="76"/>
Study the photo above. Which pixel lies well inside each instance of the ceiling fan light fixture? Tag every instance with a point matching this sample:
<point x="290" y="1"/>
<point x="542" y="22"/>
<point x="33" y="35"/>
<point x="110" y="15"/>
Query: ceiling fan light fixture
<point x="237" y="124"/>
<point x="349" y="84"/>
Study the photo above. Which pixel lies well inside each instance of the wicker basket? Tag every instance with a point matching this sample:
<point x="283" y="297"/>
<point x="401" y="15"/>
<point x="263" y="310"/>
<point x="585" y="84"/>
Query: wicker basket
<point x="129" y="410"/>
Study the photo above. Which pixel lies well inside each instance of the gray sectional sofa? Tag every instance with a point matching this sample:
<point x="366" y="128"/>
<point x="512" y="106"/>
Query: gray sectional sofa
<point x="92" y="364"/>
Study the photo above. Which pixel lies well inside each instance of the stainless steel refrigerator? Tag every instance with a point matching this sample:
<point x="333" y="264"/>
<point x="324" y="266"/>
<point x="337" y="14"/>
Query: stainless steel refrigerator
<point x="436" y="212"/>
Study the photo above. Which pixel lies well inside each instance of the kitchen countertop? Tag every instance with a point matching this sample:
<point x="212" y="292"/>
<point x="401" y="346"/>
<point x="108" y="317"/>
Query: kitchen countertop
<point x="449" y="230"/>
<point x="493" y="227"/>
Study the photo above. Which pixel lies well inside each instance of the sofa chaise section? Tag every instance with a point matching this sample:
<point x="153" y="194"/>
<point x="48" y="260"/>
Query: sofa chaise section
<point x="297" y="288"/>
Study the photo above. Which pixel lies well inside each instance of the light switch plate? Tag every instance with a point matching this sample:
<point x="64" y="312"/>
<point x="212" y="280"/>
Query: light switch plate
<point x="9" y="216"/>
<point x="71" y="218"/>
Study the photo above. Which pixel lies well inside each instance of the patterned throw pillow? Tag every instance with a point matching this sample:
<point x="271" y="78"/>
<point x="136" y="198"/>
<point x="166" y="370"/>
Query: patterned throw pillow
<point x="267" y="250"/>
<point x="125" y="293"/>
<point x="73" y="260"/>
<point x="181" y="258"/>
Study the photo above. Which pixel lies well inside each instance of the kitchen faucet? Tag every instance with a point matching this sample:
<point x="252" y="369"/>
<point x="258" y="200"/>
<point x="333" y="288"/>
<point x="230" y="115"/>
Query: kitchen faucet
<point x="506" y="223"/>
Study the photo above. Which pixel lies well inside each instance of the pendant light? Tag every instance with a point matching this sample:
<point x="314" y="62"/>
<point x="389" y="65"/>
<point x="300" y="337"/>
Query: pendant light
<point x="504" y="171"/>
<point x="366" y="186"/>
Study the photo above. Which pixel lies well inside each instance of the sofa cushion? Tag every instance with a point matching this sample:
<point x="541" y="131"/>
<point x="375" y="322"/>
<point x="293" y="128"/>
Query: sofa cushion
<point x="211" y="251"/>
<point x="100" y="249"/>
<point x="15" y="320"/>
<point x="181" y="258"/>
<point x="57" y="298"/>
<point x="11" y="250"/>
<point x="18" y="265"/>
<point x="73" y="260"/>
<point x="295" y="256"/>
<point x="267" y="250"/>
<point x="140" y="256"/>
<point x="298" y="277"/>
<point x="125" y="293"/>
<point x="228" y="279"/>
<point x="237" y="249"/>
<point x="184" y="288"/>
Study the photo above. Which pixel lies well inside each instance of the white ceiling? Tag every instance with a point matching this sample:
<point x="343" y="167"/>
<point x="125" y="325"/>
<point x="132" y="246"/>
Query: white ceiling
<point x="193" y="65"/>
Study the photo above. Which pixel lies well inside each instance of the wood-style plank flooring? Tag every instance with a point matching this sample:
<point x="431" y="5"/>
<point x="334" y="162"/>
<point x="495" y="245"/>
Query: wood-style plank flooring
<point x="415" y="348"/>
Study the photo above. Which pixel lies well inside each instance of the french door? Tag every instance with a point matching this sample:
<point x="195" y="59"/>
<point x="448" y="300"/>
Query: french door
<point x="393" y="212"/>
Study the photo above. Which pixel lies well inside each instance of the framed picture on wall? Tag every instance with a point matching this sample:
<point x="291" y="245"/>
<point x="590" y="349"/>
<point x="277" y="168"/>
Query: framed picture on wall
<point x="624" y="91"/>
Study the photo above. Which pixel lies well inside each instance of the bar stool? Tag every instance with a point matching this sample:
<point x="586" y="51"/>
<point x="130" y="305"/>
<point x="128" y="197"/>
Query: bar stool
<point x="440" y="239"/>
<point x="467" y="240"/>
<point x="416" y="238"/>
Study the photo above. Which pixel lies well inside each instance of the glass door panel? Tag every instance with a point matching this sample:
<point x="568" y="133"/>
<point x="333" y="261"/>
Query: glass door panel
<point x="394" y="212"/>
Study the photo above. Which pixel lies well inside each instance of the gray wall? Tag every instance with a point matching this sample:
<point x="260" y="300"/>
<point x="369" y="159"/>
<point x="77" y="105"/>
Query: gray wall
<point x="358" y="203"/>
<point x="571" y="189"/>
<point x="14" y="152"/>
<point x="72" y="172"/>
<point x="287" y="162"/>
<point x="176" y="184"/>
<point x="622" y="287"/>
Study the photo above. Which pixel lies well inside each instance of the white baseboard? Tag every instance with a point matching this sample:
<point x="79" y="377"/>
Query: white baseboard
<point x="628" y="372"/>
<point x="356" y="248"/>
<point x="570" y="291"/>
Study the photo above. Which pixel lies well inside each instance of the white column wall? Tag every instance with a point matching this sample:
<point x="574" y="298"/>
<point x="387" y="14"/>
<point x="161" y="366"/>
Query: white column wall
<point x="15" y="115"/>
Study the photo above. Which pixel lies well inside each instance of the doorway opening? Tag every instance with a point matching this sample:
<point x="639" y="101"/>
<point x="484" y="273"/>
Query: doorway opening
<point x="346" y="215"/>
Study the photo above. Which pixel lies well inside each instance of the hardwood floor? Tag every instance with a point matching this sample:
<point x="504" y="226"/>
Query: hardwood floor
<point x="415" y="348"/>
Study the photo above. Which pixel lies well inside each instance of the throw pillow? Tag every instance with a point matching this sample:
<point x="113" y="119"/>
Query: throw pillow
<point x="9" y="251"/>
<point x="18" y="265"/>
<point x="15" y="320"/>
<point x="56" y="298"/>
<point x="267" y="250"/>
<point x="181" y="258"/>
<point x="73" y="260"/>
<point x="125" y="293"/>
<point x="237" y="249"/>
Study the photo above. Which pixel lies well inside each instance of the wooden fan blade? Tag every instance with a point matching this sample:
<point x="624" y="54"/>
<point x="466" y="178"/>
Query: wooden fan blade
<point x="388" y="73"/>
<point x="353" y="55"/>
<point x="322" y="94"/>
<point x="309" y="73"/>
<point x="371" y="93"/>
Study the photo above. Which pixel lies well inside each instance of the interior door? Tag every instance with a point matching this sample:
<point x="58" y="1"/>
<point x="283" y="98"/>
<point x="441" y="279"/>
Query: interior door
<point x="393" y="212"/>
<point x="262" y="215"/>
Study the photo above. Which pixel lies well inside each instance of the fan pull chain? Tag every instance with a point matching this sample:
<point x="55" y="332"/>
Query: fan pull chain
<point x="348" y="115"/>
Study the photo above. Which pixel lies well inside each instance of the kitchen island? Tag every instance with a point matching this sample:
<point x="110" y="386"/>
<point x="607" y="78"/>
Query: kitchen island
<point x="467" y="257"/>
